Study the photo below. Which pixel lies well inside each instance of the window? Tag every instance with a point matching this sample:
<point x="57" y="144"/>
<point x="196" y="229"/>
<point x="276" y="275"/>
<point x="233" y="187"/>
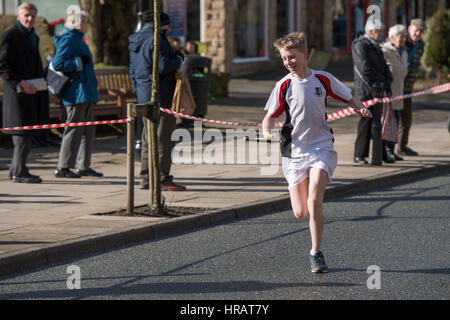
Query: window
<point x="193" y="20"/>
<point x="250" y="30"/>
<point x="340" y="33"/>
<point x="282" y="22"/>
<point x="359" y="18"/>
<point x="288" y="17"/>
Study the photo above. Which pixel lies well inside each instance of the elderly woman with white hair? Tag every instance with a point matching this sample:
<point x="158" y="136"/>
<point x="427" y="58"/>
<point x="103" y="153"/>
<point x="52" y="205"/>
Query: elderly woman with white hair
<point x="73" y="56"/>
<point x="396" y="58"/>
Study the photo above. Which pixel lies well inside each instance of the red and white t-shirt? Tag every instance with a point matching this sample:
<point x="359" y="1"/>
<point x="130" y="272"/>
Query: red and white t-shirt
<point x="305" y="130"/>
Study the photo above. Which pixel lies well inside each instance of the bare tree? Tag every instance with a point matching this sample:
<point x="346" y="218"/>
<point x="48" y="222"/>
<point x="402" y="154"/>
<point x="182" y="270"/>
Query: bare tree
<point x="155" y="190"/>
<point x="110" y="23"/>
<point x="93" y="35"/>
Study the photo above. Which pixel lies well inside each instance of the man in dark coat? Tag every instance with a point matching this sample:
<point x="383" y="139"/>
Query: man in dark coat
<point x="141" y="71"/>
<point x="372" y="79"/>
<point x="20" y="61"/>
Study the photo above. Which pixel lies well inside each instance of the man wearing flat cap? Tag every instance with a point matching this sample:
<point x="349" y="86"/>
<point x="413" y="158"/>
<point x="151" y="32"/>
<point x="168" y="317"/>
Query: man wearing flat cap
<point x="414" y="47"/>
<point x="141" y="46"/>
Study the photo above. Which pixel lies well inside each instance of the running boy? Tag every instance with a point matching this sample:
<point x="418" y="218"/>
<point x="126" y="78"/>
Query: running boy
<point x="308" y="156"/>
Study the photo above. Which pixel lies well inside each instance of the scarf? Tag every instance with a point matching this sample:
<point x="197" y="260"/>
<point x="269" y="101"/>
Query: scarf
<point x="31" y="34"/>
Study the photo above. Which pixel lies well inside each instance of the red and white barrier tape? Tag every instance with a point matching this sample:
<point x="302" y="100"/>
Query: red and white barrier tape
<point x="349" y="111"/>
<point x="243" y="124"/>
<point x="333" y="116"/>
<point x="63" y="125"/>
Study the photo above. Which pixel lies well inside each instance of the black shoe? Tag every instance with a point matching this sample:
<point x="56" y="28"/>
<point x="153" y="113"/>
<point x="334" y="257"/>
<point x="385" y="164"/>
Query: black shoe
<point x="397" y="157"/>
<point x="28" y="175"/>
<point x="408" y="152"/>
<point x="88" y="172"/>
<point x="26" y="179"/>
<point x="51" y="142"/>
<point x="65" y="173"/>
<point x="360" y="160"/>
<point x="144" y="185"/>
<point x="38" y="142"/>
<point x="389" y="156"/>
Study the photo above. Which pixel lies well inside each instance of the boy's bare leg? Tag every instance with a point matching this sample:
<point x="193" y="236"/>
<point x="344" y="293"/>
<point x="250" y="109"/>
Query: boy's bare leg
<point x="318" y="180"/>
<point x="299" y="199"/>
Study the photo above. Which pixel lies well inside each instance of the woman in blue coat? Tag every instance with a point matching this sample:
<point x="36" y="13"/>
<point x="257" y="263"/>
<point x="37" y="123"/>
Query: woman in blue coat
<point x="73" y="55"/>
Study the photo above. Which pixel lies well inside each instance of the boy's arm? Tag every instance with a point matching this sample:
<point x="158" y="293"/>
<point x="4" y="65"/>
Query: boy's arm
<point x="359" y="108"/>
<point x="267" y="126"/>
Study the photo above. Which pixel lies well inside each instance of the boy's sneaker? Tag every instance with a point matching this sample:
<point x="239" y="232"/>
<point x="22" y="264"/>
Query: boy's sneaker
<point x="318" y="264"/>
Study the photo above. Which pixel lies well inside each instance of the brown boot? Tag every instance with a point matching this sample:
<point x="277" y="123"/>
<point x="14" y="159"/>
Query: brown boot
<point x="171" y="186"/>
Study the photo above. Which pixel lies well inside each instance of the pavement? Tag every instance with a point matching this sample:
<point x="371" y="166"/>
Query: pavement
<point x="62" y="218"/>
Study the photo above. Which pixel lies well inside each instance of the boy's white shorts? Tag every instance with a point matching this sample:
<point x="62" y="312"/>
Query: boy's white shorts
<point x="297" y="169"/>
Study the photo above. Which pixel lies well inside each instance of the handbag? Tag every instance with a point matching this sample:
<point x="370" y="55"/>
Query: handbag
<point x="183" y="101"/>
<point x="389" y="131"/>
<point x="58" y="82"/>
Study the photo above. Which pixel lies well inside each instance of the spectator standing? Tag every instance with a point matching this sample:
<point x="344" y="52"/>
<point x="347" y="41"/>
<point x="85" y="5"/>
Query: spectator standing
<point x="372" y="79"/>
<point x="176" y="45"/>
<point x="73" y="56"/>
<point x="20" y="61"/>
<point x="190" y="47"/>
<point x="141" y="46"/>
<point x="396" y="57"/>
<point x="415" y="47"/>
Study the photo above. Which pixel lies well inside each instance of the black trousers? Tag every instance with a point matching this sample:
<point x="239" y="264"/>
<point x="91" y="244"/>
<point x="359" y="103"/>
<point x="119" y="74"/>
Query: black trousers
<point x="367" y="127"/>
<point x="405" y="124"/>
<point x="22" y="146"/>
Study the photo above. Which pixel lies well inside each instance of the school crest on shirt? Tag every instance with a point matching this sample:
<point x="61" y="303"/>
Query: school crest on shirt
<point x="318" y="91"/>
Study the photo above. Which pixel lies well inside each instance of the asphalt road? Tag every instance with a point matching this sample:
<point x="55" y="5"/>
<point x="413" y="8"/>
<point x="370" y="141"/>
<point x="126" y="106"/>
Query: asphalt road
<point x="403" y="230"/>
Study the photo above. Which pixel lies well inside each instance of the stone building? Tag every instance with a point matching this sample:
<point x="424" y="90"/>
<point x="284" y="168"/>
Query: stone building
<point x="240" y="33"/>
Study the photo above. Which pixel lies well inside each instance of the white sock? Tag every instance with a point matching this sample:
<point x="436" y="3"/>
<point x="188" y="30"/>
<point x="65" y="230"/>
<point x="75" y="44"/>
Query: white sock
<point x="313" y="253"/>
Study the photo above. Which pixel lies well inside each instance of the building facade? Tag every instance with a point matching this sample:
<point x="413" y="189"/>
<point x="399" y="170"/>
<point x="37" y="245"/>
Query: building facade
<point x="239" y="33"/>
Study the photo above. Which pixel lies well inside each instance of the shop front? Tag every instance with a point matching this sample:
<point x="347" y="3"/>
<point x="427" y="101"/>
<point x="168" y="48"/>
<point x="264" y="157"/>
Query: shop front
<point x="349" y="17"/>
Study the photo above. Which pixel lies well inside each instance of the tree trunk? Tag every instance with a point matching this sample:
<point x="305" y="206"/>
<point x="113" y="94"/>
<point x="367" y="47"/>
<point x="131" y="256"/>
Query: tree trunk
<point x="94" y="33"/>
<point x="155" y="203"/>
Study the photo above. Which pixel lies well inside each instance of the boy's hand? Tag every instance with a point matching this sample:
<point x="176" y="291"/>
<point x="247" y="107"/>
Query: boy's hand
<point x="360" y="108"/>
<point x="364" y="112"/>
<point x="267" y="134"/>
<point x="267" y="125"/>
